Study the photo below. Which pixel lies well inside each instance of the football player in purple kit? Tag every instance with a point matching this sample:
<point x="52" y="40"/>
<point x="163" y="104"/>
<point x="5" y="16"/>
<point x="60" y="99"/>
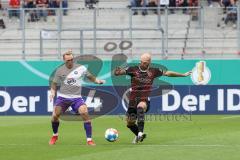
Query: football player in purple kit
<point x="142" y="77"/>
<point x="69" y="77"/>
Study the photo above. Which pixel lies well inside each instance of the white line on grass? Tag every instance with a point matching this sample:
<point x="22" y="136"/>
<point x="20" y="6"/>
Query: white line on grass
<point x="230" y="117"/>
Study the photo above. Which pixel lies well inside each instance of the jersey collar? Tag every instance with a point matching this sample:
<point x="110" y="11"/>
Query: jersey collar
<point x="143" y="70"/>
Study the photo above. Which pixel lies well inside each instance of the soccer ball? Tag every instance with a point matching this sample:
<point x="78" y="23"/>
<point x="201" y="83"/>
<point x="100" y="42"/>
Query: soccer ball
<point x="111" y="134"/>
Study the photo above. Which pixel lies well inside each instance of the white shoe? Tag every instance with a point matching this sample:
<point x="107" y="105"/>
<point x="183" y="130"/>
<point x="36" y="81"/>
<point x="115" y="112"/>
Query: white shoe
<point x="141" y="136"/>
<point x="135" y="140"/>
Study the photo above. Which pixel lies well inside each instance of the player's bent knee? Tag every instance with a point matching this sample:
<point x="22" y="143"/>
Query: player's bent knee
<point x="83" y="109"/>
<point x="142" y="105"/>
<point x="57" y="110"/>
<point x="55" y="117"/>
<point x="84" y="113"/>
<point x="130" y="122"/>
<point x="131" y="118"/>
<point x="56" y="114"/>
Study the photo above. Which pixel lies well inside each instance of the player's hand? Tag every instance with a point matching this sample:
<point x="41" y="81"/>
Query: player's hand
<point x="187" y="73"/>
<point x="52" y="95"/>
<point x="99" y="81"/>
<point x="117" y="71"/>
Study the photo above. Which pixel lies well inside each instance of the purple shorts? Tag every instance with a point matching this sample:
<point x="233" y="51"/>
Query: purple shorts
<point x="75" y="103"/>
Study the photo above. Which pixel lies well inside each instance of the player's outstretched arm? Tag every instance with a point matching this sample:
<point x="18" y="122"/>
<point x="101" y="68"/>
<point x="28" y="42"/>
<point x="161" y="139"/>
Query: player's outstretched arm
<point x="94" y="79"/>
<point x="53" y="91"/>
<point x="176" y="74"/>
<point x="119" y="71"/>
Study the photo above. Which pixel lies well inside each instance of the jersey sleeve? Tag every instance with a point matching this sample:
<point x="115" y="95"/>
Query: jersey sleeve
<point x="85" y="71"/>
<point x="158" y="72"/>
<point x="56" y="78"/>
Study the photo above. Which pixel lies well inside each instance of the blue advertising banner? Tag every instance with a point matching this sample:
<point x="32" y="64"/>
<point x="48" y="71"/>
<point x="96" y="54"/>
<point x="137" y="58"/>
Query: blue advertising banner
<point x="199" y="99"/>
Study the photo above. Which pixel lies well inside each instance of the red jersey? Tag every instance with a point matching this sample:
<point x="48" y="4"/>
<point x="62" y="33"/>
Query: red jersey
<point x="14" y="3"/>
<point x="41" y="2"/>
<point x="141" y="82"/>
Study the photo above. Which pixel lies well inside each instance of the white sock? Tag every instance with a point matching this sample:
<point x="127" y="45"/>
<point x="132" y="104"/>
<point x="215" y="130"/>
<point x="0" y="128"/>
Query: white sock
<point x="140" y="134"/>
<point x="89" y="139"/>
<point x="55" y="134"/>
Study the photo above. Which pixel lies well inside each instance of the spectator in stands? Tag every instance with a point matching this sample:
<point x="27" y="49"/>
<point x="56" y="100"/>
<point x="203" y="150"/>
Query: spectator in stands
<point x="51" y="5"/>
<point x="227" y="3"/>
<point x="42" y="11"/>
<point x="231" y="10"/>
<point x="65" y="6"/>
<point x="153" y="3"/>
<point x="29" y="4"/>
<point x="210" y="3"/>
<point x="193" y="3"/>
<point x="2" y="24"/>
<point x="193" y="12"/>
<point x="139" y="3"/>
<point x="14" y="6"/>
<point x="56" y="4"/>
<point x="32" y="13"/>
<point x="178" y="3"/>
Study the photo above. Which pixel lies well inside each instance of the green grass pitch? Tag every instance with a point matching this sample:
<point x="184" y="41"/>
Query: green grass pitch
<point x="205" y="137"/>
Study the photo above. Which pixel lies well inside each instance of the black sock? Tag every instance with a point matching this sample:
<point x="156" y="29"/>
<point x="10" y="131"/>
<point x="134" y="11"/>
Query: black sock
<point x="133" y="128"/>
<point x="55" y="127"/>
<point x="140" y="120"/>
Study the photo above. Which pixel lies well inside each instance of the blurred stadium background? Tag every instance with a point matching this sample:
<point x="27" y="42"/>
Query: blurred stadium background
<point x="193" y="122"/>
<point x="194" y="34"/>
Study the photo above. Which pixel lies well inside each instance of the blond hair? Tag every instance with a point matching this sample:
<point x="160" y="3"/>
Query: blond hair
<point x="68" y="53"/>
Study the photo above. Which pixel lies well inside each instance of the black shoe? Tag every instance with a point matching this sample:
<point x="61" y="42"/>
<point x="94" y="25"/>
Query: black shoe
<point x="144" y="13"/>
<point x="142" y="137"/>
<point x="135" y="13"/>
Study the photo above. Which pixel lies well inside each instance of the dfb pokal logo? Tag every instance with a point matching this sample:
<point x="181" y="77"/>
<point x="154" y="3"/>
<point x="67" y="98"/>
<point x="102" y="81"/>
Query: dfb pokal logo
<point x="201" y="74"/>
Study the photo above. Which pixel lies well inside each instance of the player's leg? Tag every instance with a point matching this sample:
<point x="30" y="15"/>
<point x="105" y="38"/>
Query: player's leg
<point x="131" y="124"/>
<point x="141" y="109"/>
<point x="83" y="111"/>
<point x="55" y="119"/>
<point x="60" y="106"/>
<point x="55" y="123"/>
<point x="131" y="117"/>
